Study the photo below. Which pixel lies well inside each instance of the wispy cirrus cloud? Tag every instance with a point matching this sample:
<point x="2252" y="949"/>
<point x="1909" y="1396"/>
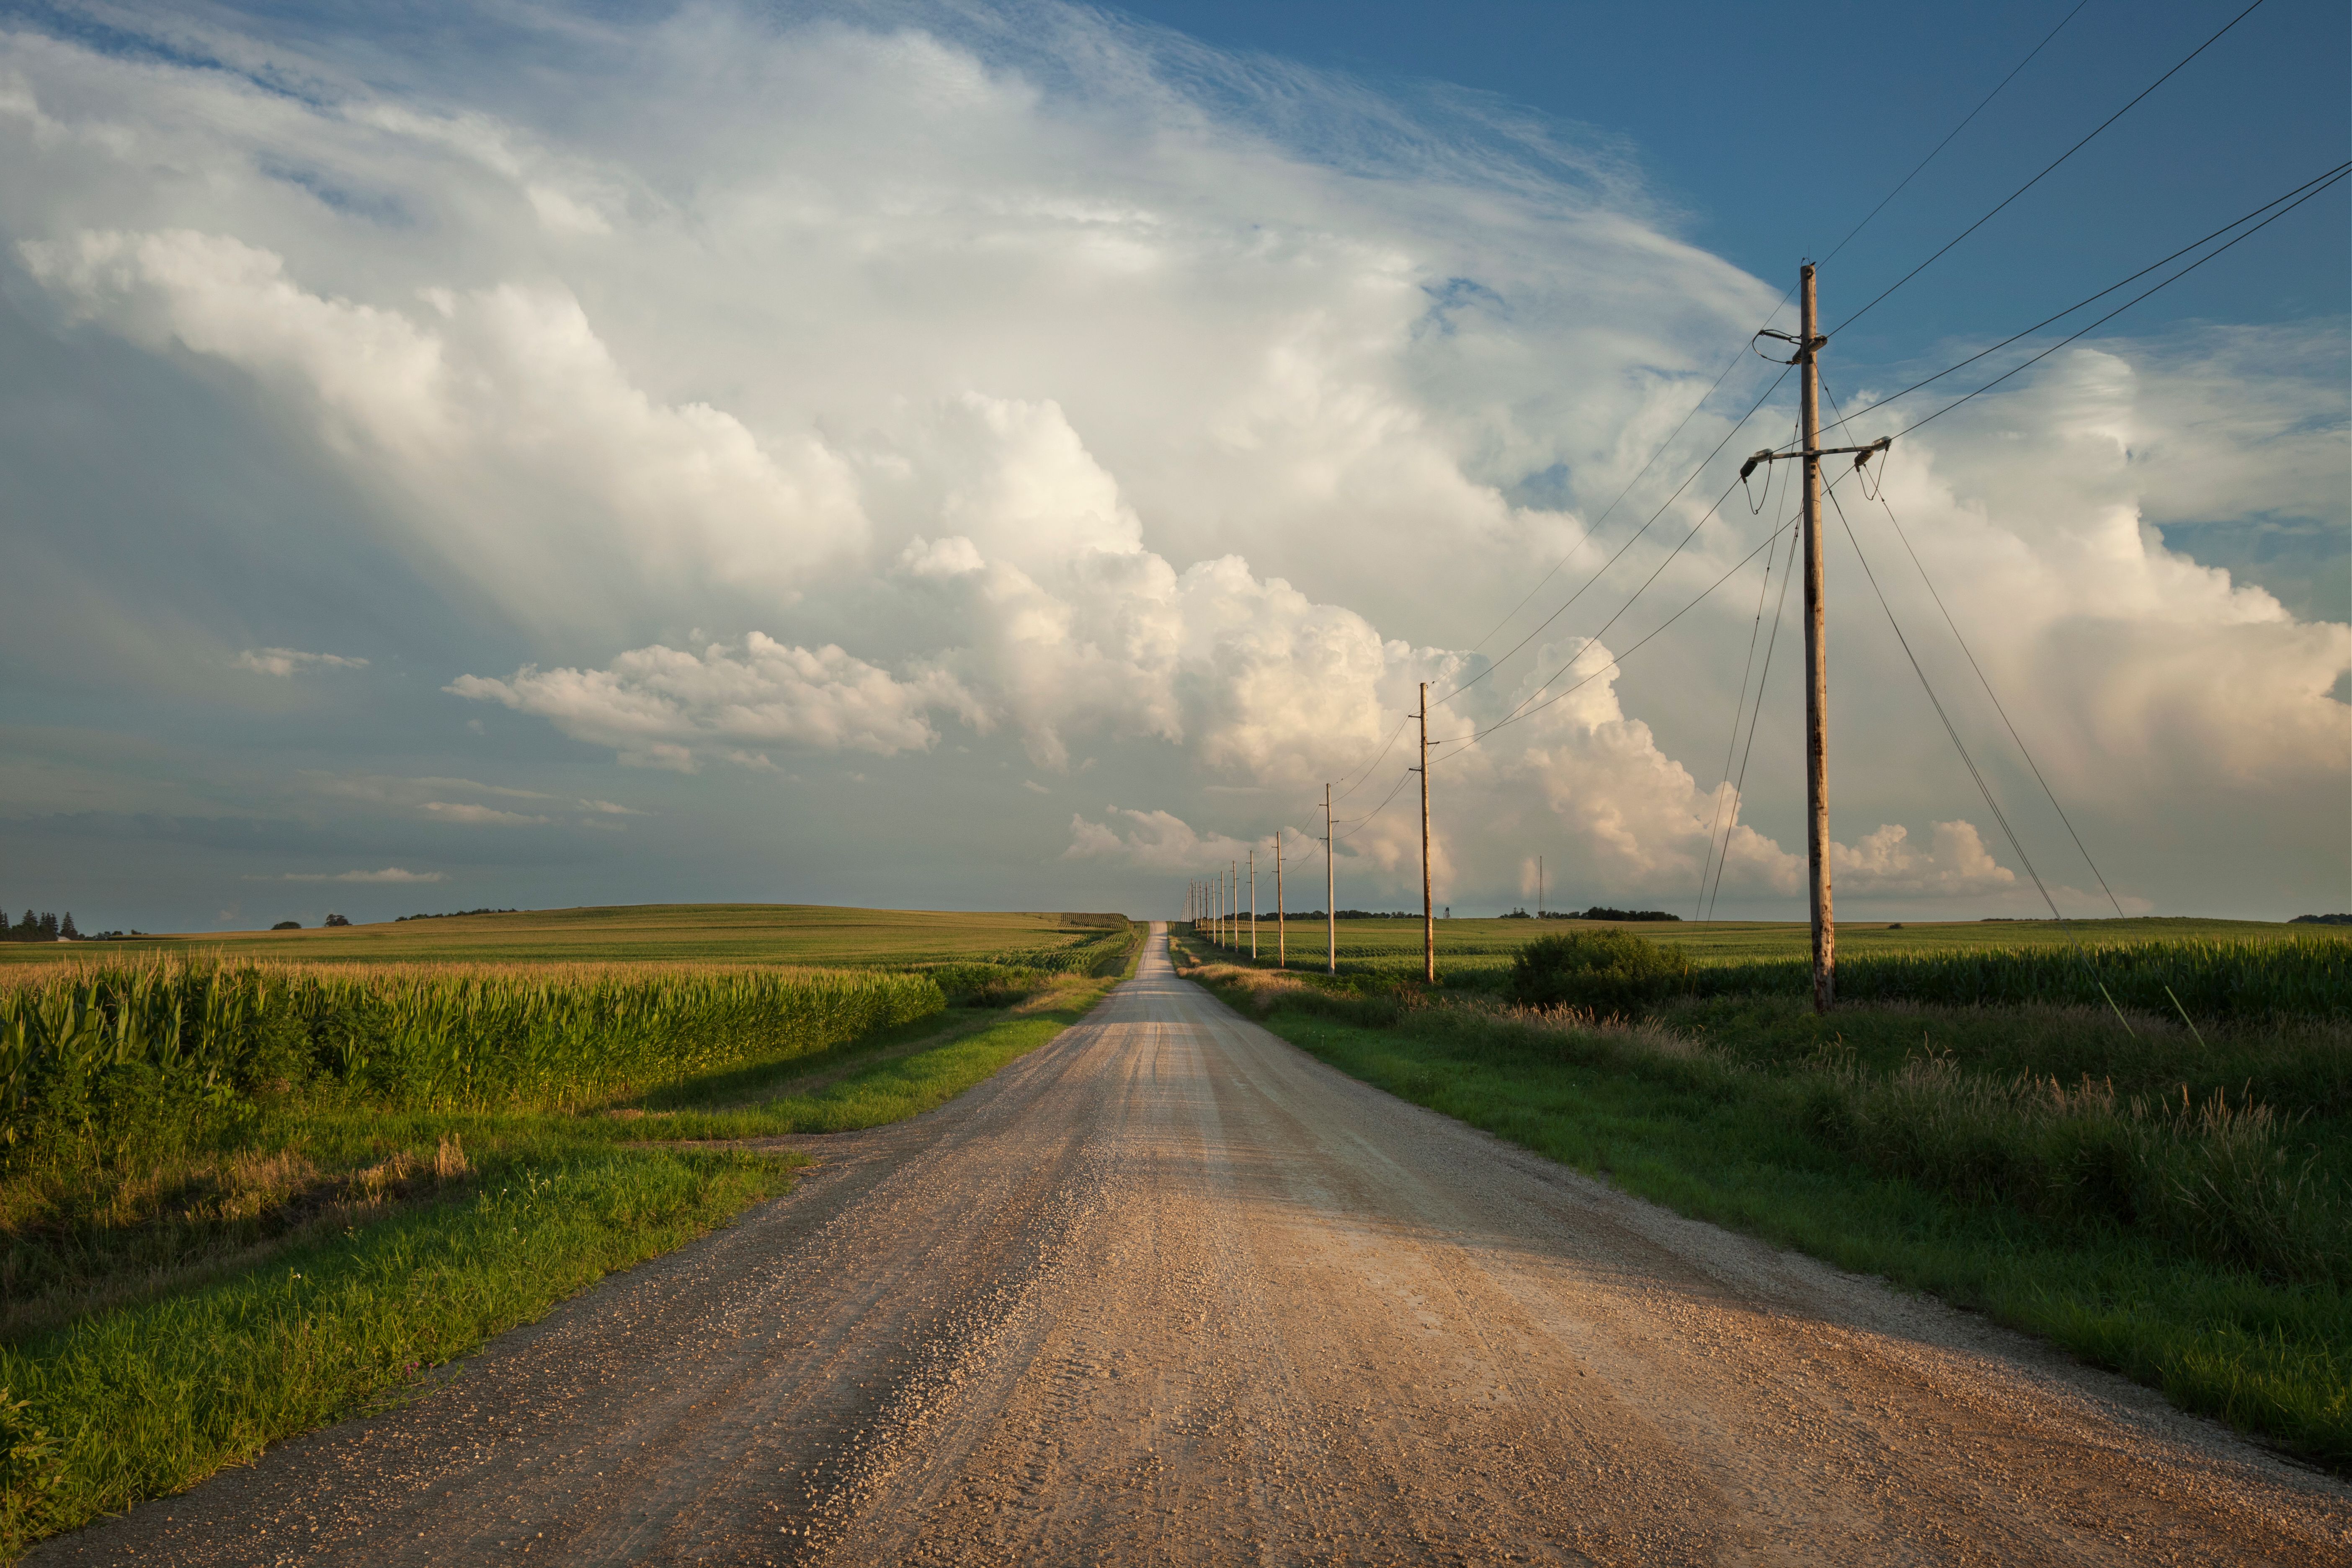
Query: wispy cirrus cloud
<point x="478" y="816"/>
<point x="291" y="661"/>
<point x="389" y="874"/>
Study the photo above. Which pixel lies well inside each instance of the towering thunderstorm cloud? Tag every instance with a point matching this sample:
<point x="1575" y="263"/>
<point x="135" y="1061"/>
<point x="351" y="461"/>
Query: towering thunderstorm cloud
<point x="748" y="396"/>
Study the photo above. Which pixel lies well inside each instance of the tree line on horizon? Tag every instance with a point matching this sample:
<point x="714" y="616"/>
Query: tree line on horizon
<point x="46" y="927"/>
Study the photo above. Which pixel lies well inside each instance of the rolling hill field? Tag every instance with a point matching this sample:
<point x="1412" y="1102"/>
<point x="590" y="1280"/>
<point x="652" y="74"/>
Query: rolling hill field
<point x="806" y="934"/>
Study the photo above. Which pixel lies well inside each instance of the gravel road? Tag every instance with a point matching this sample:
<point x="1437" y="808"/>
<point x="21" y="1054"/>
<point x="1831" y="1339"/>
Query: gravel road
<point x="1170" y="1290"/>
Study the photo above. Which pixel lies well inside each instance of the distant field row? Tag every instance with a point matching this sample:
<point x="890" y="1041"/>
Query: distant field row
<point x="1736" y="941"/>
<point x="805" y="934"/>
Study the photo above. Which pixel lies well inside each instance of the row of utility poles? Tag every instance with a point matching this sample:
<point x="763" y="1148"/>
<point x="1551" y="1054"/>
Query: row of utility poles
<point x="1210" y="903"/>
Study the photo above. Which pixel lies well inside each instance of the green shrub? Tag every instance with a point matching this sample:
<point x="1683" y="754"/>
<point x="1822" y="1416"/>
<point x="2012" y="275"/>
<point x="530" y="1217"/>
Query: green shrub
<point x="1606" y="971"/>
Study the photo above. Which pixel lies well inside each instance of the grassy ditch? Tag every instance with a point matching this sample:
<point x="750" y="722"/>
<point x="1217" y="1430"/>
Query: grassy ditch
<point x="2175" y="1209"/>
<point x="236" y="1203"/>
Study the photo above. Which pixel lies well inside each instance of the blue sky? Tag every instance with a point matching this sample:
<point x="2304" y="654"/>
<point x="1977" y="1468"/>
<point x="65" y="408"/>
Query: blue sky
<point x="1717" y="104"/>
<point x="1011" y="456"/>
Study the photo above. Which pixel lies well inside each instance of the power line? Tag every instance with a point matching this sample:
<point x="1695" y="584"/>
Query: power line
<point x="1965" y="761"/>
<point x="2316" y="180"/>
<point x="1740" y="703"/>
<point x="1604" y="569"/>
<point x="1741" y="352"/>
<point x="1985" y="681"/>
<point x="1617" y="660"/>
<point x="1737" y="354"/>
<point x="2324" y="184"/>
<point x="1359" y="824"/>
<point x="1739" y="789"/>
<point x="1364" y="773"/>
<point x="1955" y="131"/>
<point x="2062" y="157"/>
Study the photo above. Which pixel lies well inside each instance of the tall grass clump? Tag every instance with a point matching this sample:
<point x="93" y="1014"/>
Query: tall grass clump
<point x="163" y="1053"/>
<point x="2217" y="1178"/>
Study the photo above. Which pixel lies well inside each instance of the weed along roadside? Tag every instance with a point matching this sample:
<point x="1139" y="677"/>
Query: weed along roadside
<point x="2167" y="1201"/>
<point x="242" y="1201"/>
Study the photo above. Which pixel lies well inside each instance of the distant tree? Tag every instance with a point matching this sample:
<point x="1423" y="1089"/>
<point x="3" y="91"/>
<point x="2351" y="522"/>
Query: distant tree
<point x="66" y="929"/>
<point x="48" y="928"/>
<point x="288" y="925"/>
<point x="335" y="921"/>
<point x="26" y="930"/>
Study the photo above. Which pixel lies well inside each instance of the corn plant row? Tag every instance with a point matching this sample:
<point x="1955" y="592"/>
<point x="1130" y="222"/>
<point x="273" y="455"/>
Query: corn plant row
<point x="2203" y="978"/>
<point x="99" y="1052"/>
<point x="1099" y="955"/>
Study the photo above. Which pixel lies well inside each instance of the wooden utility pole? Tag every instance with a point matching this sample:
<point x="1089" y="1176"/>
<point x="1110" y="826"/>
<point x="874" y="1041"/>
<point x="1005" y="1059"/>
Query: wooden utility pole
<point x="1428" y="910"/>
<point x="1281" y="916"/>
<point x="1253" y="885"/>
<point x="1817" y="665"/>
<point x="1538" y="887"/>
<point x="1330" y="903"/>
<point x="1808" y="343"/>
<point x="1234" y="903"/>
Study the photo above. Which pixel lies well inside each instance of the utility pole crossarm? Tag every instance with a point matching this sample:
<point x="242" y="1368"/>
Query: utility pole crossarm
<point x="1865" y="453"/>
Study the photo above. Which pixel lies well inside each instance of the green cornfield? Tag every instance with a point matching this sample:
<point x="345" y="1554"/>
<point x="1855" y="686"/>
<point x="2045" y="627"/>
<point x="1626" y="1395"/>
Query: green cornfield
<point x="2205" y="979"/>
<point x="119" y="1055"/>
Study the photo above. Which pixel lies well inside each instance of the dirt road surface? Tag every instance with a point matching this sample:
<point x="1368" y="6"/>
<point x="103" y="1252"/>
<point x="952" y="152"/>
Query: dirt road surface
<point x="1168" y="1291"/>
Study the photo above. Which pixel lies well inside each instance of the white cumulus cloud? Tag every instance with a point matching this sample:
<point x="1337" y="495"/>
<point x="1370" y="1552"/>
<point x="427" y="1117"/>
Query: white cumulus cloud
<point x="1025" y="380"/>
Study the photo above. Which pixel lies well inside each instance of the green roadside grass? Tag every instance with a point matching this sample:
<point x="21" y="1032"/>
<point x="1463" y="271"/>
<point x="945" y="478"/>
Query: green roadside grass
<point x="467" y="1223"/>
<point x="1739" y="1145"/>
<point x="142" y="1402"/>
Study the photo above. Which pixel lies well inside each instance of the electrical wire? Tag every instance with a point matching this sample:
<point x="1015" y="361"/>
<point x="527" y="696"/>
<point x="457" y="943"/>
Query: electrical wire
<point x="1672" y="555"/>
<point x="1360" y="774"/>
<point x="1756" y="716"/>
<point x="2316" y="180"/>
<point x="1603" y="568"/>
<point x="1968" y="761"/>
<point x="1955" y="131"/>
<point x="1616" y="660"/>
<point x="1740" y="704"/>
<point x="1983" y="681"/>
<point x="1365" y="820"/>
<point x="1737" y="354"/>
<point x="2062" y="157"/>
<point x="2325" y="184"/>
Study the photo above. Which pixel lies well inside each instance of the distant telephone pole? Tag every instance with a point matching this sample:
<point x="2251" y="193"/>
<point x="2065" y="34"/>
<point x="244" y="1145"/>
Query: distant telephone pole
<point x="1281" y="915"/>
<point x="1330" y="903"/>
<point x="1428" y="910"/>
<point x="1538" y="887"/>
<point x="1253" y="885"/>
<point x="1234" y="904"/>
